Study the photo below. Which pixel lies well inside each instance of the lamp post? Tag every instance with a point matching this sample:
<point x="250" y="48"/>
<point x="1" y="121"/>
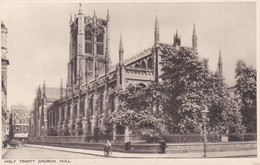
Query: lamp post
<point x="204" y="115"/>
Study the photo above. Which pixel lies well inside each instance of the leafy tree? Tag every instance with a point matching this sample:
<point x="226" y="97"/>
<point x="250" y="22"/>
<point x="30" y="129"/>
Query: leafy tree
<point x="135" y="111"/>
<point x="225" y="116"/>
<point x="187" y="86"/>
<point x="246" y="87"/>
<point x="11" y="127"/>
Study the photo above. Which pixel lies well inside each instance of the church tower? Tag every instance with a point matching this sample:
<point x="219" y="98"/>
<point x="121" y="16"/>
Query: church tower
<point x="194" y="39"/>
<point x="89" y="48"/>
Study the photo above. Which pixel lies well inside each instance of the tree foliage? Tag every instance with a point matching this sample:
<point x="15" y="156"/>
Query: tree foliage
<point x="225" y="116"/>
<point x="188" y="85"/>
<point x="135" y="111"/>
<point x="246" y="88"/>
<point x="11" y="127"/>
<point x="185" y="83"/>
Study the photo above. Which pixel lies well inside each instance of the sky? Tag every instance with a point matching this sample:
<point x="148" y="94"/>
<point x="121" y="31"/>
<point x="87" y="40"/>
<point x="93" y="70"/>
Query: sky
<point x="38" y="36"/>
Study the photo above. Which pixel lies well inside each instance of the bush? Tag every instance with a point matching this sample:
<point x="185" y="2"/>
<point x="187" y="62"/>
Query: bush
<point x="52" y="131"/>
<point x="243" y="137"/>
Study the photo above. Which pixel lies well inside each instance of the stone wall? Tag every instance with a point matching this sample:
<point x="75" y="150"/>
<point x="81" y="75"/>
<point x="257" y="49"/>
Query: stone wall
<point x="155" y="147"/>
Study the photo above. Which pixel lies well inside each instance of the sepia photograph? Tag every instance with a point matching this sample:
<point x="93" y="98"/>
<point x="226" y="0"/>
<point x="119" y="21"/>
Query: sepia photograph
<point x="150" y="81"/>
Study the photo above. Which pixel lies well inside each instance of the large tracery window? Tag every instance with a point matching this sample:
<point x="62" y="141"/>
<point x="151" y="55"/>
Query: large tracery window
<point x="100" y="37"/>
<point x="88" y="35"/>
<point x="100" y="41"/>
<point x="88" y="38"/>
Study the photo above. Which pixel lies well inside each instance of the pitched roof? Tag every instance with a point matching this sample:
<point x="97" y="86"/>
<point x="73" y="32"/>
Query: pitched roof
<point x="52" y="93"/>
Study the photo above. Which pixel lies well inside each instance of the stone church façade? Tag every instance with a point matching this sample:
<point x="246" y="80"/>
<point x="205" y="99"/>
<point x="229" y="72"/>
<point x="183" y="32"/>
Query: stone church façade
<point x="87" y="101"/>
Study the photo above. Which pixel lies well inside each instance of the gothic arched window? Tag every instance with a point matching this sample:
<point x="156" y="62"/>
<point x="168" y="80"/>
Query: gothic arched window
<point x="68" y="112"/>
<point x="91" y="105"/>
<point x="75" y="110"/>
<point x="88" y="47"/>
<point x="143" y="65"/>
<point x="101" y="104"/>
<point x="150" y="63"/>
<point x="82" y="107"/>
<point x="88" y="42"/>
<point x="112" y="102"/>
<point x="100" y="49"/>
<point x="88" y="35"/>
<point x="100" y="39"/>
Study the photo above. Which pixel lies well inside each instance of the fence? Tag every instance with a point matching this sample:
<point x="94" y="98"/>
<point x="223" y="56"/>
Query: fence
<point x="243" y="137"/>
<point x="183" y="138"/>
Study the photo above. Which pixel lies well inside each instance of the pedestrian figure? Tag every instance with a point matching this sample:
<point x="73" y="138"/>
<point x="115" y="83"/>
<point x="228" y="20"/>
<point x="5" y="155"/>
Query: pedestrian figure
<point x="107" y="149"/>
<point x="163" y="146"/>
<point x="127" y="146"/>
<point x="5" y="143"/>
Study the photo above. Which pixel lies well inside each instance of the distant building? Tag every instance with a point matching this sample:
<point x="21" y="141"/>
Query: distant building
<point x="21" y="115"/>
<point x="4" y="64"/>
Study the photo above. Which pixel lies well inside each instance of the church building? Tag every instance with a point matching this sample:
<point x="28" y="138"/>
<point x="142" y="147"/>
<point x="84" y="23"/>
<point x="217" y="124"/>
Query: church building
<point x="87" y="101"/>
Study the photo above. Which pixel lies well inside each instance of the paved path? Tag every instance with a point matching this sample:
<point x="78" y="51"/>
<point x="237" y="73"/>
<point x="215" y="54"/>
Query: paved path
<point x="223" y="154"/>
<point x="43" y="153"/>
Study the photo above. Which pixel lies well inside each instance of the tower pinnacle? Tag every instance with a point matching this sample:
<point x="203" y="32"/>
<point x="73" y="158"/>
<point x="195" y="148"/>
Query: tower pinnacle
<point x="156" y="31"/>
<point x="176" y="39"/>
<point x="94" y="13"/>
<point x="44" y="88"/>
<point x="194" y="38"/>
<point x="121" y="50"/>
<point x="70" y="18"/>
<point x="80" y="10"/>
<point x="108" y="16"/>
<point x="220" y="65"/>
<point x="61" y="88"/>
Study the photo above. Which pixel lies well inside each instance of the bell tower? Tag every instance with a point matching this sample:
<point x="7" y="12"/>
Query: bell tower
<point x="89" y="48"/>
